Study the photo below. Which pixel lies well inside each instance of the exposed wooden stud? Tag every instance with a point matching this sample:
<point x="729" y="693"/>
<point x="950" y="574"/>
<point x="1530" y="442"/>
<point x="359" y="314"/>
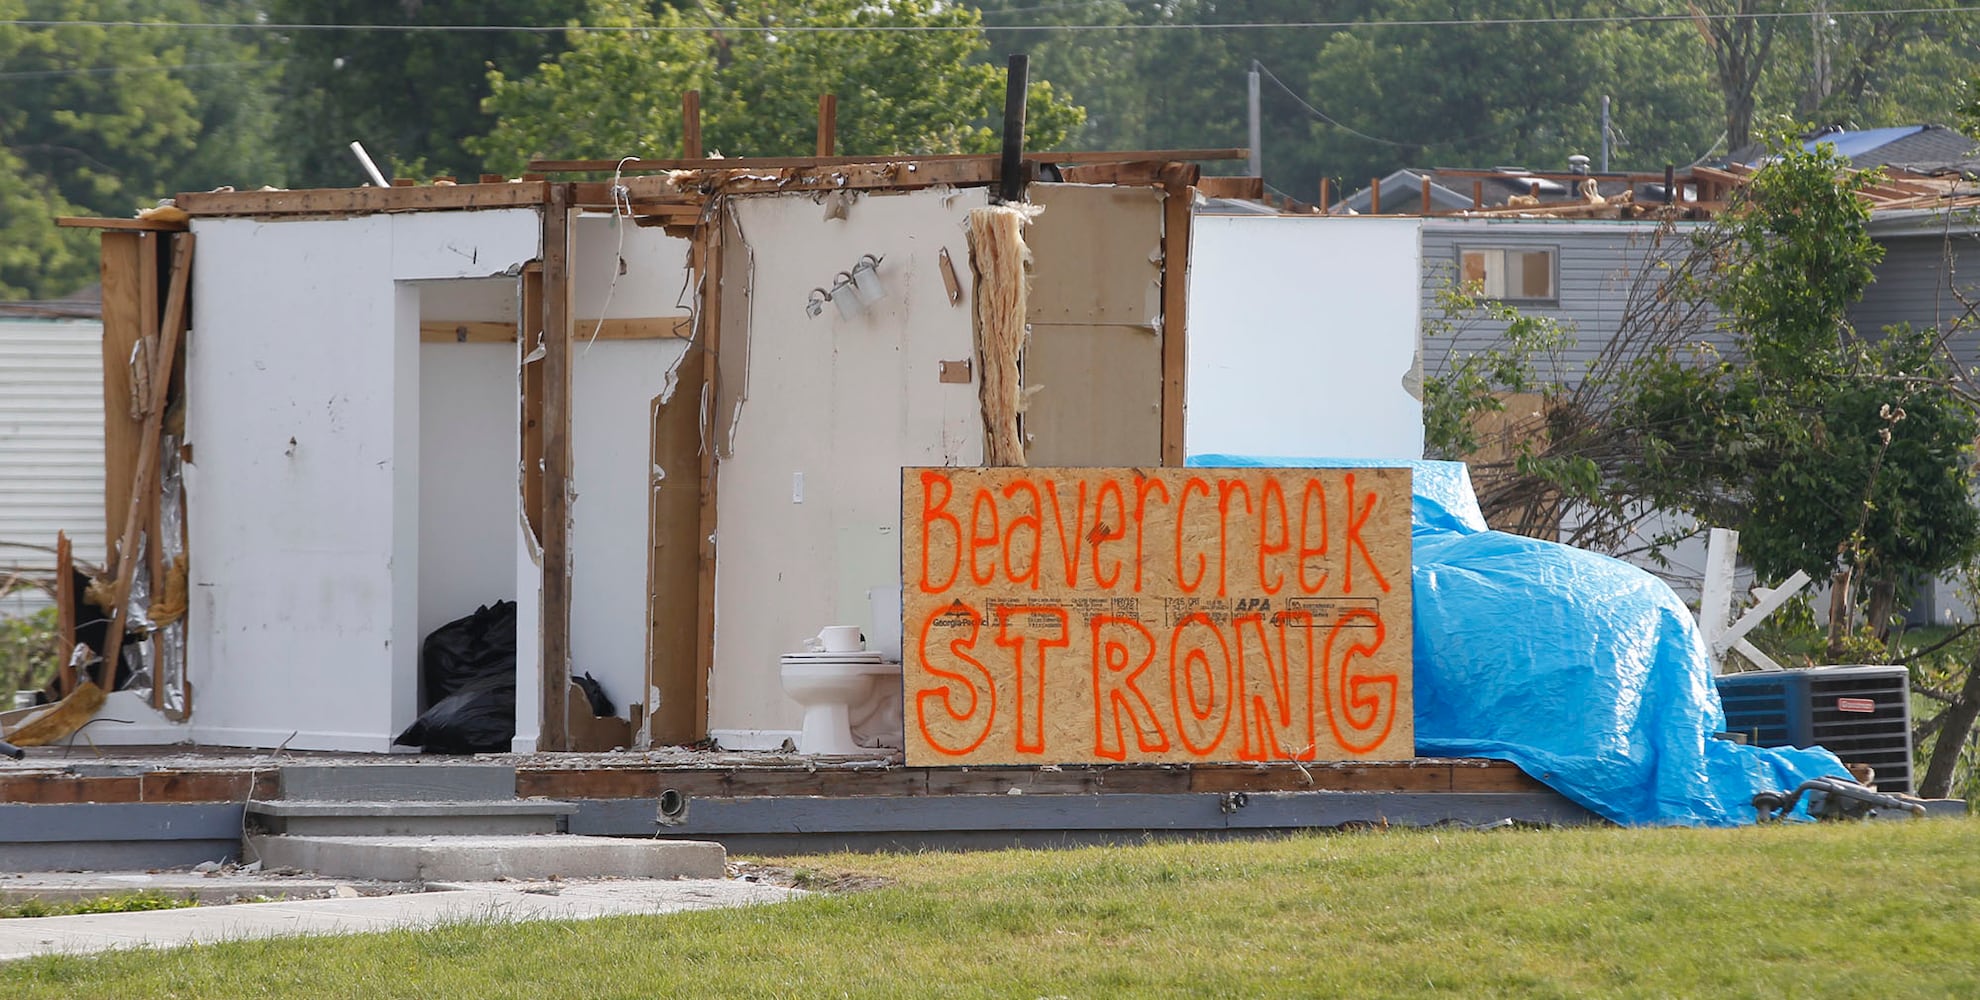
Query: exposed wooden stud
<point x="1424" y="209"/>
<point x="754" y="163"/>
<point x="444" y="331"/>
<point x="1176" y="219"/>
<point x="1326" y="195"/>
<point x="65" y="612"/>
<point x="1375" y="196"/>
<point x="1477" y="194"/>
<point x="828" y="123"/>
<point x="123" y="327"/>
<point x="554" y="533"/>
<point x="143" y="480"/>
<point x="362" y="200"/>
<point x="690" y="129"/>
<point x="154" y="396"/>
<point x="709" y="243"/>
<point x="673" y="564"/>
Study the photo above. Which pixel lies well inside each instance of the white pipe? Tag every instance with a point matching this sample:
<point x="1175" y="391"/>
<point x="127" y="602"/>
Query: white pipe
<point x="1257" y="151"/>
<point x="357" y="149"/>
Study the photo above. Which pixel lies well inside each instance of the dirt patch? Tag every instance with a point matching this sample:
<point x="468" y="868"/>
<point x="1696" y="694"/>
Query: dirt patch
<point x="810" y="879"/>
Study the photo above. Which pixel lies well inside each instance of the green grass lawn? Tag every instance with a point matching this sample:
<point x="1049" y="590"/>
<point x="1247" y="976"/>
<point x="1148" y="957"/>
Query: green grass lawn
<point x="1880" y="909"/>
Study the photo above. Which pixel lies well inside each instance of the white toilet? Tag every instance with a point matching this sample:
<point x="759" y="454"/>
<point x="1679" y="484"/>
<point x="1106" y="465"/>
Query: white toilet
<point x="830" y="684"/>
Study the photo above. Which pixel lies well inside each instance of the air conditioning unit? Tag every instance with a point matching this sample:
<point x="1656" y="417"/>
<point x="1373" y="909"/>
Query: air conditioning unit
<point x="1861" y="714"/>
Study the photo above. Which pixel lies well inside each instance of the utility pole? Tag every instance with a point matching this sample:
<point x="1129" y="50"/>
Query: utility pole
<point x="1257" y="157"/>
<point x="1605" y="133"/>
<point x="1819" y="22"/>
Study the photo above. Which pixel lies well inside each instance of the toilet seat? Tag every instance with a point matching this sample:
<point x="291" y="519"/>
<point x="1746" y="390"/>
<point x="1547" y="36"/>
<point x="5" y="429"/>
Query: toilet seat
<point x="837" y="659"/>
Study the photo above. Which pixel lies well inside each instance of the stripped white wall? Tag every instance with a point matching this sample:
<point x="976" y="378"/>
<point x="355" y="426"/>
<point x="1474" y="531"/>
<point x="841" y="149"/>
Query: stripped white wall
<point x="51" y="445"/>
<point x="613" y="383"/>
<point x="303" y="492"/>
<point x="842" y="403"/>
<point x="468" y="450"/>
<point x="1303" y="337"/>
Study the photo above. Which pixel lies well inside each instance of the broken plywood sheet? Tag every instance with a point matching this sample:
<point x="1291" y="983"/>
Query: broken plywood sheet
<point x="1096" y="255"/>
<point x="1172" y="615"/>
<point x="1099" y="398"/>
<point x="1094" y="363"/>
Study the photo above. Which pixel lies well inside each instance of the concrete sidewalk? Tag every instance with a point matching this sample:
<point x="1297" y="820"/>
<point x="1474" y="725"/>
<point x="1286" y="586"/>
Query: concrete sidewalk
<point x="440" y="904"/>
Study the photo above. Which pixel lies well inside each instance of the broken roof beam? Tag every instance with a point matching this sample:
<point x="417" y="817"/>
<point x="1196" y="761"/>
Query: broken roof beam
<point x="140" y="225"/>
<point x="362" y="200"/>
<point x="681" y="186"/>
<point x="823" y="162"/>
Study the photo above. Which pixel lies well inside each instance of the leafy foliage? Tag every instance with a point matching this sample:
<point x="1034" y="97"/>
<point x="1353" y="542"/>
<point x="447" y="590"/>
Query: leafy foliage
<point x="618" y="93"/>
<point x="1829" y="452"/>
<point x="105" y="119"/>
<point x="28" y="653"/>
<point x="412" y="97"/>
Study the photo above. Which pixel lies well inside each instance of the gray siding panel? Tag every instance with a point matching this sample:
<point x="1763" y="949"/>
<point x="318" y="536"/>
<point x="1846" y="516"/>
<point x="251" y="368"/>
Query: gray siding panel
<point x="1597" y="264"/>
<point x="1915" y="285"/>
<point x="1920" y="281"/>
<point x="51" y="445"/>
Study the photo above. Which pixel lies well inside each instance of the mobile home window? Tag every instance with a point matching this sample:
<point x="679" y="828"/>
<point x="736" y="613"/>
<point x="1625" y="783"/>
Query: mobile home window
<point x="1503" y="273"/>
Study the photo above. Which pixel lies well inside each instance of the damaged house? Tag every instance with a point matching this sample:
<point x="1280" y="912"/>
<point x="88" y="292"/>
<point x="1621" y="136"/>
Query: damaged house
<point x="664" y="415"/>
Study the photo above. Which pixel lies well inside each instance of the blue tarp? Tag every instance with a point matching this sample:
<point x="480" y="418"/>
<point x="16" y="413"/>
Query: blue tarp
<point x="1587" y="672"/>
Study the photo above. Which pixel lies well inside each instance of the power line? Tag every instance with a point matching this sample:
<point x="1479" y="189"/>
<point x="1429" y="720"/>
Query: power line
<point x="1323" y="116"/>
<point x="39" y="74"/>
<point x="788" y="29"/>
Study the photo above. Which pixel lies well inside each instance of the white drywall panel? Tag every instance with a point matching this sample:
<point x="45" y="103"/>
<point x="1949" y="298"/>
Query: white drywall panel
<point x="493" y="300"/>
<point x="1303" y="337"/>
<point x="613" y="383"/>
<point x="652" y="283"/>
<point x="467" y="478"/>
<point x="809" y="500"/>
<point x="303" y="389"/>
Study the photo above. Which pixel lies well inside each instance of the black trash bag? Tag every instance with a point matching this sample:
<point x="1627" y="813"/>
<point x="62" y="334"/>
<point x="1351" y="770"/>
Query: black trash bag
<point x="601" y="703"/>
<point x="478" y="718"/>
<point x="468" y="649"/>
<point x="93" y="630"/>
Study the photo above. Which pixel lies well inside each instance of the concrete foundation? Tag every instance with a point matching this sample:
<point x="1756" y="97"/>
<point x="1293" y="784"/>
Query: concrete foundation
<point x="484" y="858"/>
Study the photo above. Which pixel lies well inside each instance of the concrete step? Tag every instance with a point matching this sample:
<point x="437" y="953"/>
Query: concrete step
<point x="404" y="858"/>
<point x="387" y="782"/>
<point x="392" y="817"/>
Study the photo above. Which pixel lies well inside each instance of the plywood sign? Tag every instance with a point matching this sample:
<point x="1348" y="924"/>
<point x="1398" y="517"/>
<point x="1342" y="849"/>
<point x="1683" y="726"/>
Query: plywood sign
<point x="1097" y="615"/>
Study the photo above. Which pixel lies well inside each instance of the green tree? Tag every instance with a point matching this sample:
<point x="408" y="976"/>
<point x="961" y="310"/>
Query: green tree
<point x="1966" y="104"/>
<point x="1832" y="453"/>
<point x="1869" y="68"/>
<point x="106" y="119"/>
<point x="618" y="93"/>
<point x="38" y="260"/>
<point x="412" y="97"/>
<point x="1496" y="95"/>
